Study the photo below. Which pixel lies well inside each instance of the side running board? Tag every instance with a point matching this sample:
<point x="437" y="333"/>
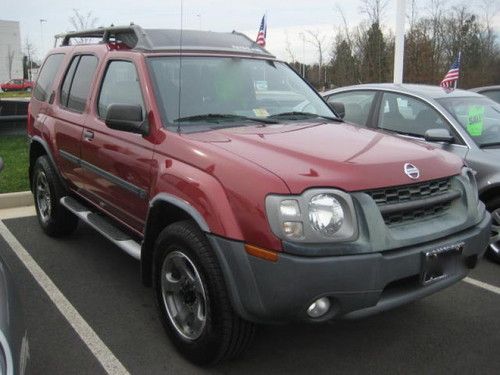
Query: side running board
<point x="103" y="226"/>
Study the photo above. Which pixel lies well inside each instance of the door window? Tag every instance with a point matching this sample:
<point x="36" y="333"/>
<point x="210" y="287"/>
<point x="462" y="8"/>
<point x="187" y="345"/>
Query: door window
<point x="79" y="87"/>
<point x="357" y="105"/>
<point x="404" y="114"/>
<point x="120" y="86"/>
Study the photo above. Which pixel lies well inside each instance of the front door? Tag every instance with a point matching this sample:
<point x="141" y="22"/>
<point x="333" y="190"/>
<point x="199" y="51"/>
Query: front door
<point x="117" y="163"/>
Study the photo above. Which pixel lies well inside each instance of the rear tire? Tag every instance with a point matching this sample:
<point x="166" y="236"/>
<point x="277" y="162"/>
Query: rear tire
<point x="493" y="252"/>
<point x="55" y="220"/>
<point x="188" y="283"/>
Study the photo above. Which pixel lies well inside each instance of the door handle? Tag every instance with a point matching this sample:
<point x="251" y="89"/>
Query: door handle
<point x="88" y="135"/>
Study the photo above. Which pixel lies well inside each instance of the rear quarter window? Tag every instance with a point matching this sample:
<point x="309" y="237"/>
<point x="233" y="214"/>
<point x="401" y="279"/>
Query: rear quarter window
<point x="46" y="77"/>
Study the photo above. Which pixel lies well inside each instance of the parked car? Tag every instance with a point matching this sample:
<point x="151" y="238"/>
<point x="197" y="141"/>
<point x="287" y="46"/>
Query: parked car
<point x="14" y="348"/>
<point x="241" y="208"/>
<point x="17" y="85"/>
<point x="462" y="122"/>
<point x="492" y="92"/>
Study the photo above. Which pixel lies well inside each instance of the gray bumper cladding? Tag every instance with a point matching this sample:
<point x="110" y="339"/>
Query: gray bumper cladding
<point x="357" y="285"/>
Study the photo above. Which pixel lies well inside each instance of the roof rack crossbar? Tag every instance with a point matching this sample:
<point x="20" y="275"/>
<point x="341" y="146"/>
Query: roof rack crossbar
<point x="104" y="33"/>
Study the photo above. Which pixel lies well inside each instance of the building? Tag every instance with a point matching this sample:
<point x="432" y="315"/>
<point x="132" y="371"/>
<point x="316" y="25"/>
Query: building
<point x="11" y="56"/>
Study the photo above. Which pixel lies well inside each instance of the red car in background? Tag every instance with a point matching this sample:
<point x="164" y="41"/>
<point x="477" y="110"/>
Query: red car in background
<point x="17" y="85"/>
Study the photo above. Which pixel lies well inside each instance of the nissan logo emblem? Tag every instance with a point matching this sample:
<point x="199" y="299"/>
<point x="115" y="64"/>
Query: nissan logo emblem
<point x="411" y="171"/>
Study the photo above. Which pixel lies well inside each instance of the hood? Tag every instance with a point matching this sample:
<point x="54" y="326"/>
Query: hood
<point x="350" y="158"/>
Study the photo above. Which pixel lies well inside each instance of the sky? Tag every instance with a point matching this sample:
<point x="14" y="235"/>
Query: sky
<point x="287" y="20"/>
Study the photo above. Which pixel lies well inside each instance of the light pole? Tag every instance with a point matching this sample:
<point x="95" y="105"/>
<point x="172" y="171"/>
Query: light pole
<point x="399" y="50"/>
<point x="42" y="21"/>
<point x="199" y="20"/>
<point x="303" y="36"/>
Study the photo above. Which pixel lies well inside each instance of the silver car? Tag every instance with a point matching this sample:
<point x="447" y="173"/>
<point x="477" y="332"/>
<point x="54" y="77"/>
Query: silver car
<point x="14" y="348"/>
<point x="459" y="121"/>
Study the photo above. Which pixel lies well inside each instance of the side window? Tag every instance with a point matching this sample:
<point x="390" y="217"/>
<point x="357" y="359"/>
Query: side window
<point x="405" y="114"/>
<point x="493" y="95"/>
<point x="120" y="86"/>
<point x="80" y="86"/>
<point x="357" y="105"/>
<point x="47" y="75"/>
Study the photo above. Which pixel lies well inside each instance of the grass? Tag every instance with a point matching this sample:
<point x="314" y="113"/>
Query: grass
<point x="14" y="151"/>
<point x="15" y="94"/>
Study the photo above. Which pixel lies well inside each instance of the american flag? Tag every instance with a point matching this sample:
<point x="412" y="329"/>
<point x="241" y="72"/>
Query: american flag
<point x="450" y="80"/>
<point x="261" y="36"/>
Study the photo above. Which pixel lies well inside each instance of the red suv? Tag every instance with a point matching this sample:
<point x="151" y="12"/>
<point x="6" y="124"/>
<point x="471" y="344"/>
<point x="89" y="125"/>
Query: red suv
<point x="17" y="85"/>
<point x="241" y="192"/>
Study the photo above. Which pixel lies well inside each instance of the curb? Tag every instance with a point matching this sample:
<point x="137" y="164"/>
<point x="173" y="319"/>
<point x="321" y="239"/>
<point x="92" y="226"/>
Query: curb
<point x="11" y="200"/>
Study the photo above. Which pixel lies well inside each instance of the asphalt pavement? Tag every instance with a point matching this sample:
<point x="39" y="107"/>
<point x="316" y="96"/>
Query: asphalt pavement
<point x="454" y="331"/>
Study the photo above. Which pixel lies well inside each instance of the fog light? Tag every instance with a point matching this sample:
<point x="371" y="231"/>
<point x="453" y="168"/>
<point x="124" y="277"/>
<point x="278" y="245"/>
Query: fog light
<point x="319" y="307"/>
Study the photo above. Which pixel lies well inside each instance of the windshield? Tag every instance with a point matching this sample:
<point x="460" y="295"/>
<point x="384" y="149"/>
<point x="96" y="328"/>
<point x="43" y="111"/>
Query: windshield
<point x="480" y="117"/>
<point x="223" y="91"/>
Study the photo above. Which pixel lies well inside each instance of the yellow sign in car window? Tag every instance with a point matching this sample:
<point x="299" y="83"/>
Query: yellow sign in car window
<point x="475" y="123"/>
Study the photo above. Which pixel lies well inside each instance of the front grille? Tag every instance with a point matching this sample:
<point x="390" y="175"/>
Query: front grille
<point x="410" y="192"/>
<point x="407" y="203"/>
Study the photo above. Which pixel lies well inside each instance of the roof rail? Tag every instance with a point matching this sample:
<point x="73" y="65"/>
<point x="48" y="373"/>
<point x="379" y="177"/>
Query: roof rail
<point x="130" y="35"/>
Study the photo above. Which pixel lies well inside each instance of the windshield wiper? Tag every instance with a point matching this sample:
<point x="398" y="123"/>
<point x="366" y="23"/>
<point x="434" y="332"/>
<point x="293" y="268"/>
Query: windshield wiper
<point x="295" y="114"/>
<point x="222" y="116"/>
<point x="490" y="144"/>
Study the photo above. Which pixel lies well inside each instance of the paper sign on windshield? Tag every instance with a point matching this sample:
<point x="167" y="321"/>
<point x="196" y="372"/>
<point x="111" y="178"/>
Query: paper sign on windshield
<point x="475" y="123"/>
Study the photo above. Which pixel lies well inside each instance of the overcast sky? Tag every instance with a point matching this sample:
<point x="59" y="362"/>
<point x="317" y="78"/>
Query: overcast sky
<point x="289" y="17"/>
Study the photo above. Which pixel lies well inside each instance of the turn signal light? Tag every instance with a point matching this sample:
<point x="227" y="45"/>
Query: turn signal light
<point x="261" y="253"/>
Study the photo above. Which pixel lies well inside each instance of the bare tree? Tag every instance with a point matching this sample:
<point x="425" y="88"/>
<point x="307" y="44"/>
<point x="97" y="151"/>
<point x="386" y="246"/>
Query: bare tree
<point x="11" y="53"/>
<point x="318" y="41"/>
<point x="288" y="48"/>
<point x="374" y="9"/>
<point x="81" y="22"/>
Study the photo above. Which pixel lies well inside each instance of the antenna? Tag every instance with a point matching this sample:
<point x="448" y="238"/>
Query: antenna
<point x="180" y="68"/>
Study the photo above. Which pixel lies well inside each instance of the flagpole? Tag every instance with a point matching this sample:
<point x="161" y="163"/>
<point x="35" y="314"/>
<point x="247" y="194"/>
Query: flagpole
<point x="459" y="68"/>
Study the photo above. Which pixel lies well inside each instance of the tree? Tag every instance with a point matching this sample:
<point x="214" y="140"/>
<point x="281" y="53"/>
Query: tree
<point x="374" y="9"/>
<point x="81" y="22"/>
<point x="344" y="64"/>
<point x="318" y="41"/>
<point x="11" y="53"/>
<point x="375" y="64"/>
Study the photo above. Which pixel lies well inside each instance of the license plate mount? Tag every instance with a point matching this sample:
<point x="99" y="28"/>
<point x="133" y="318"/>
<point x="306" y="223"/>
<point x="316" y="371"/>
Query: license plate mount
<point x="437" y="264"/>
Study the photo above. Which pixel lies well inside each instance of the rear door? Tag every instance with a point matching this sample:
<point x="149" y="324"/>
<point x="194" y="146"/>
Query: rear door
<point x="118" y="163"/>
<point x="69" y="115"/>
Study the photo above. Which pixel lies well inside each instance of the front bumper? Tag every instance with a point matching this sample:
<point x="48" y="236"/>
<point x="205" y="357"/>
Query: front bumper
<point x="358" y="285"/>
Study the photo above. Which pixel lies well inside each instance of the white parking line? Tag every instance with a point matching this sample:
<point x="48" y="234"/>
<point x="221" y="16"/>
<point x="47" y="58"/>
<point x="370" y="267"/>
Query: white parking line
<point x="102" y="353"/>
<point x="480" y="284"/>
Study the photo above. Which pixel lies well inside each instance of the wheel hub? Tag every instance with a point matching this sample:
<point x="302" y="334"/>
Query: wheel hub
<point x="495" y="231"/>
<point x="43" y="199"/>
<point x="183" y="295"/>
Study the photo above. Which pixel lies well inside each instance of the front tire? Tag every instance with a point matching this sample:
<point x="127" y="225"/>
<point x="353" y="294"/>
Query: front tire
<point x="493" y="252"/>
<point x="192" y="298"/>
<point x="55" y="220"/>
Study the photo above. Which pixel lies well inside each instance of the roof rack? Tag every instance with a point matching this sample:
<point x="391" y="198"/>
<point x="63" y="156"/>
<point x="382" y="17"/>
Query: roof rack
<point x="135" y="37"/>
<point x="126" y="34"/>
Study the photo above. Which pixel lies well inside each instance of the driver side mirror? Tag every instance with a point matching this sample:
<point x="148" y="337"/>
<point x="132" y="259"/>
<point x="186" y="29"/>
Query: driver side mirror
<point x="438" y="135"/>
<point x="338" y="107"/>
<point x="127" y="118"/>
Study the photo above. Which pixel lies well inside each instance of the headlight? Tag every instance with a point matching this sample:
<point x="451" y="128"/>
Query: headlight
<point x="326" y="214"/>
<point x="318" y="215"/>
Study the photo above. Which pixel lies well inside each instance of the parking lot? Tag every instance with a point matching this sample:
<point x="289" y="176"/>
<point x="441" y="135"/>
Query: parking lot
<point x="455" y="331"/>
